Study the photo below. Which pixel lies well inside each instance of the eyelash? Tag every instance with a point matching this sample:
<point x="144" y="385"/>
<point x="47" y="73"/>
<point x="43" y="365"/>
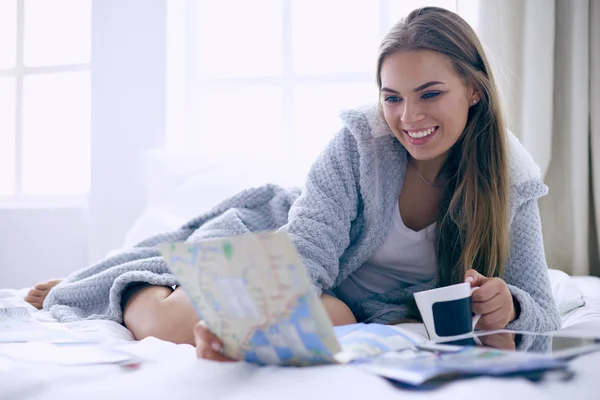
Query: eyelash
<point x="432" y="95"/>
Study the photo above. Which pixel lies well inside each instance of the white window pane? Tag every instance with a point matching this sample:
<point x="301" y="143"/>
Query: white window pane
<point x="239" y="38"/>
<point x="57" y="32"/>
<point x="238" y="120"/>
<point x="401" y="8"/>
<point x="7" y="136"/>
<point x="56" y="134"/>
<point x="335" y="36"/>
<point x="317" y="114"/>
<point x="8" y="33"/>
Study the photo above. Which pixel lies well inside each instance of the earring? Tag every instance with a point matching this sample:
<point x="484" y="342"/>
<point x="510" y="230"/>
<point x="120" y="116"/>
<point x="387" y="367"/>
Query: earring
<point x="474" y="101"/>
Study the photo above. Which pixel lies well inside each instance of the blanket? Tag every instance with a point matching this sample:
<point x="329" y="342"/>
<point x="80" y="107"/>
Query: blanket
<point x="95" y="292"/>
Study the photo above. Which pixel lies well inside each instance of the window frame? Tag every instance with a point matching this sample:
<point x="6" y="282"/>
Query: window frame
<point x="19" y="72"/>
<point x="186" y="94"/>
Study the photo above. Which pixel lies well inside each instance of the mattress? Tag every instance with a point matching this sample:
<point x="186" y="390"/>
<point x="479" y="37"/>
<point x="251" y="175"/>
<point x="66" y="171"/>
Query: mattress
<point x="173" y="371"/>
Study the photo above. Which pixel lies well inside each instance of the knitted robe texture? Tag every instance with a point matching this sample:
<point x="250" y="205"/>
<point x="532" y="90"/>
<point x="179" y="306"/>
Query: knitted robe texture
<point x="337" y="221"/>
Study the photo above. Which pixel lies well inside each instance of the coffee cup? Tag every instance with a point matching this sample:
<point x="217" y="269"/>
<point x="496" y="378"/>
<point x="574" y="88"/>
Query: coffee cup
<point x="447" y="311"/>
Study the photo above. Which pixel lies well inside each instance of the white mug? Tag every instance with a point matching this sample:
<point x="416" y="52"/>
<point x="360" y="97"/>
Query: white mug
<point x="447" y="311"/>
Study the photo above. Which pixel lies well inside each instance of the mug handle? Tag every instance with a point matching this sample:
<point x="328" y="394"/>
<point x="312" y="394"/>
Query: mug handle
<point x="476" y="316"/>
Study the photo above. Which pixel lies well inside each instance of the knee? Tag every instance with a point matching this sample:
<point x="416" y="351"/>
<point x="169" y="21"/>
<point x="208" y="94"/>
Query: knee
<point x="339" y="313"/>
<point x="166" y="315"/>
<point x="143" y="311"/>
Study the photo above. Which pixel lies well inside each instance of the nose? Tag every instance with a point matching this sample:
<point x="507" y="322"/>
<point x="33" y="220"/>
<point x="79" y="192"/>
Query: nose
<point x="411" y="113"/>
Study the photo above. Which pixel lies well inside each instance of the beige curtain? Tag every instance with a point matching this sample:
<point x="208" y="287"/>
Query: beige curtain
<point x="546" y="56"/>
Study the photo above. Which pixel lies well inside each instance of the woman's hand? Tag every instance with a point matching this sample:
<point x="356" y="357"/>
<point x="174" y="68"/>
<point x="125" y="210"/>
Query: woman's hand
<point x="493" y="301"/>
<point x="208" y="346"/>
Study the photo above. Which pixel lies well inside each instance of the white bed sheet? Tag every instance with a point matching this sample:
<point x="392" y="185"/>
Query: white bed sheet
<point x="173" y="371"/>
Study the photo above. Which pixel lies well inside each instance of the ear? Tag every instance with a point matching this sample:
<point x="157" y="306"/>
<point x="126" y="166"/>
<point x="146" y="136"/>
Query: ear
<point x="474" y="96"/>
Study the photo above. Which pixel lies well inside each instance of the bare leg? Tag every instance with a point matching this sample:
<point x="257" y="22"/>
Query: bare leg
<point x="169" y="315"/>
<point x="160" y="312"/>
<point x="338" y="311"/>
<point x="38" y="293"/>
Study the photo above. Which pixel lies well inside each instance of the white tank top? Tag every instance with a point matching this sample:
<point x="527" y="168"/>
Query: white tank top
<point x="405" y="258"/>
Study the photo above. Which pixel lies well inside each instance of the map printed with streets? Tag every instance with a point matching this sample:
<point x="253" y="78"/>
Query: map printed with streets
<point x="255" y="295"/>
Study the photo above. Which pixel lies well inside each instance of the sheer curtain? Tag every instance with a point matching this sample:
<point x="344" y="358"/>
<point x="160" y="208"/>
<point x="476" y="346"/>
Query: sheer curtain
<point x="547" y="57"/>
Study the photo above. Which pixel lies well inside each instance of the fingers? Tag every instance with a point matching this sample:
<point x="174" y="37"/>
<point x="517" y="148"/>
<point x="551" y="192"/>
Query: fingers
<point x="208" y="346"/>
<point x="493" y="302"/>
<point x="488" y="306"/>
<point x="488" y="291"/>
<point x="475" y="278"/>
<point x="494" y="320"/>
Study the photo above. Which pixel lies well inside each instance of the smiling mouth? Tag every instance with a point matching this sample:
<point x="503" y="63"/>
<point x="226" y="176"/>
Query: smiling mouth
<point x="422" y="133"/>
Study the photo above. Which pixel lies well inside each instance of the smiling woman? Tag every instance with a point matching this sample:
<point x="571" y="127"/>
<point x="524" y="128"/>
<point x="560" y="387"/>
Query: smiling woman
<point x="424" y="189"/>
<point x="449" y="137"/>
<point x="444" y="207"/>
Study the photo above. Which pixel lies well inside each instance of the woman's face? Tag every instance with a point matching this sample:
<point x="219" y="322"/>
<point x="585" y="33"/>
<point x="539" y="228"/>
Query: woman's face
<point x="424" y="102"/>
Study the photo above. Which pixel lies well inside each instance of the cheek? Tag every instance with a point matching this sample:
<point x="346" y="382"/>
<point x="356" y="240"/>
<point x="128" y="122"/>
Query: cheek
<point x="454" y="118"/>
<point x="390" y="117"/>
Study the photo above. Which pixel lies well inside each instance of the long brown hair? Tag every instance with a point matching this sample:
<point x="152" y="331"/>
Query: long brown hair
<point x="472" y="230"/>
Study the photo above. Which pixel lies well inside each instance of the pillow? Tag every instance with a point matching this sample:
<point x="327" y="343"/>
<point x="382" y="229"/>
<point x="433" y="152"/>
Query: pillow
<point x="567" y="294"/>
<point x="180" y="186"/>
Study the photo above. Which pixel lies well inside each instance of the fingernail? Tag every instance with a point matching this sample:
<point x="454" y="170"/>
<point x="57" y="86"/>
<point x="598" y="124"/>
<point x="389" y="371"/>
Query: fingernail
<point x="469" y="279"/>
<point x="215" y="346"/>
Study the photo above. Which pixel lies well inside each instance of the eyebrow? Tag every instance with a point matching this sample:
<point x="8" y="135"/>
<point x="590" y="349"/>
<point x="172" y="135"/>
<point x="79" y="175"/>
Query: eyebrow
<point x="418" y="89"/>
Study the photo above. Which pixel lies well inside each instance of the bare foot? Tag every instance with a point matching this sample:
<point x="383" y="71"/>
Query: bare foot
<point x="37" y="294"/>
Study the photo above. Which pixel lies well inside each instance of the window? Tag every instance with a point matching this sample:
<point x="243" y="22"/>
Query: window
<point x="45" y="52"/>
<point x="274" y="74"/>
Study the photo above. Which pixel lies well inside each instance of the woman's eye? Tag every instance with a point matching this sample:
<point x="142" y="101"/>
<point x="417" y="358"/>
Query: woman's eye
<point x="392" y="99"/>
<point x="430" y="95"/>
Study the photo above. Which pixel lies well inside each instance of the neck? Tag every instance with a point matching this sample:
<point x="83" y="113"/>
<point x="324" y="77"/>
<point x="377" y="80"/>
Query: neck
<point x="431" y="169"/>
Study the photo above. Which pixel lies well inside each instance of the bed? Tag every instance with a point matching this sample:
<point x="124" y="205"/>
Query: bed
<point x="173" y="371"/>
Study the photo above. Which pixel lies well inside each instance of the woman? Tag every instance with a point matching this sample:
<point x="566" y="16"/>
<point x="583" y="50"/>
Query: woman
<point x="426" y="189"/>
<point x="434" y="188"/>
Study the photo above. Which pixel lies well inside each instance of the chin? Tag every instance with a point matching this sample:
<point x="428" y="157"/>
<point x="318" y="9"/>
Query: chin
<point x="420" y="155"/>
<point x="429" y="151"/>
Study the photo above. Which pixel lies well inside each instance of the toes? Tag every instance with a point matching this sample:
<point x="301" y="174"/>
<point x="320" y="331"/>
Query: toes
<point x="34" y="301"/>
<point x="47" y="285"/>
<point x="42" y="286"/>
<point x="35" y="293"/>
<point x="30" y="298"/>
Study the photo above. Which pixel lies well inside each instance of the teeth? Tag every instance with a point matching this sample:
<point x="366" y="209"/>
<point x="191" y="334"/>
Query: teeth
<point x="420" y="134"/>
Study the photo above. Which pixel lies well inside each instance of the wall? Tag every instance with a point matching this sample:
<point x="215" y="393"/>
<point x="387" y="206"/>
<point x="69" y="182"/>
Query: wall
<point x="40" y="244"/>
<point x="128" y="117"/>
<point x="128" y="111"/>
